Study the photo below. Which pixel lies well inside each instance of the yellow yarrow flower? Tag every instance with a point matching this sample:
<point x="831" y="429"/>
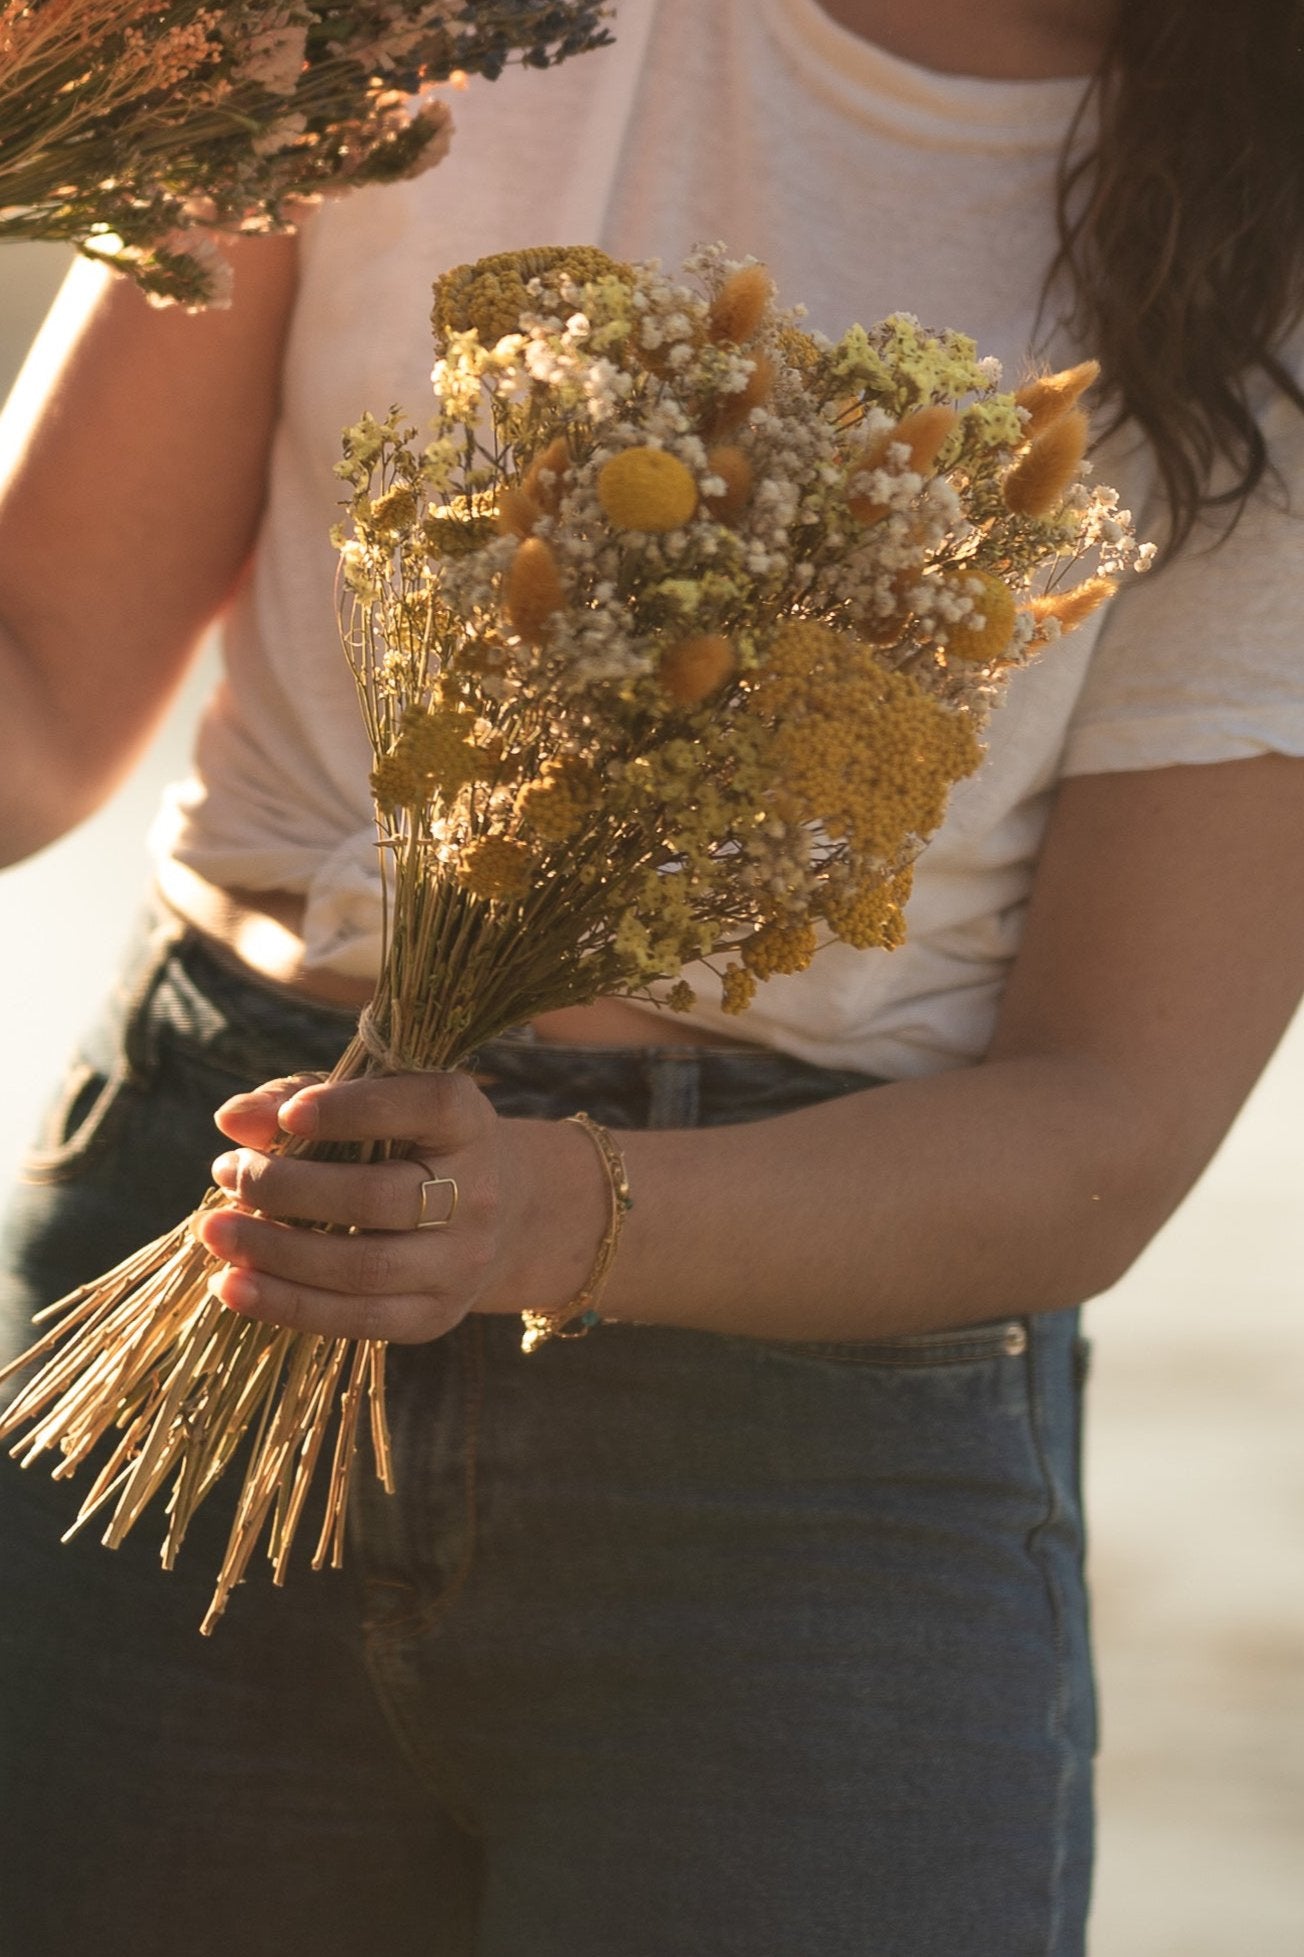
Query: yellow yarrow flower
<point x="870" y="917"/>
<point x="779" y="948"/>
<point x="433" y="754"/>
<point x="495" y="867"/>
<point x="868" y="754"/>
<point x="737" y="989"/>
<point x="490" y="295"/>
<point x="556" y="805"/>
<point x="647" y="489"/>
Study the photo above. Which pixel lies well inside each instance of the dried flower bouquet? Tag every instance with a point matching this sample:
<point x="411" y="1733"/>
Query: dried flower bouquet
<point x="672" y="634"/>
<point x="133" y="127"/>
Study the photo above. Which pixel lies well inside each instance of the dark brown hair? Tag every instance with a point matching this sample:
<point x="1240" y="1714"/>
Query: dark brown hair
<point x="1182" y="234"/>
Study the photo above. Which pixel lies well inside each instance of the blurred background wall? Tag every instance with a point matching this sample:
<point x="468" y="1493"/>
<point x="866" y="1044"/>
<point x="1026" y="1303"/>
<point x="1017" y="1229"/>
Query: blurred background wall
<point x="1195" y="1448"/>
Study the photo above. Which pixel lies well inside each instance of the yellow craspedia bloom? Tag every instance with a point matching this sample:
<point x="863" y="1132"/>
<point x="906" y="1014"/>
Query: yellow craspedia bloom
<point x="1040" y="480"/>
<point x="737" y="988"/>
<point x="495" y="866"/>
<point x="779" y="948"/>
<point x="693" y="668"/>
<point x="490" y="295"/>
<point x="984" y="633"/>
<point x="532" y="590"/>
<point x="739" y="306"/>
<point x="647" y="489"/>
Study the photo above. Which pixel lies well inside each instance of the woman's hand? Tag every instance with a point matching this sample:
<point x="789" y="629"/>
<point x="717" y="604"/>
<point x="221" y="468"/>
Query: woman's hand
<point x="520" y="1234"/>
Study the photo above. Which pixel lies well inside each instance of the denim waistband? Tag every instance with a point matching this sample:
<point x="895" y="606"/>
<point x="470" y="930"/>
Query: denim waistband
<point x="180" y="991"/>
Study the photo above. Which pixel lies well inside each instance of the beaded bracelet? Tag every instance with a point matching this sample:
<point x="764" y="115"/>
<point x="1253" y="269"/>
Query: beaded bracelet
<point x="580" y="1314"/>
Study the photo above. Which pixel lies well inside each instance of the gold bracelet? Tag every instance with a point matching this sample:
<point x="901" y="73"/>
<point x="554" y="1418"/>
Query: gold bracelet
<point x="580" y="1314"/>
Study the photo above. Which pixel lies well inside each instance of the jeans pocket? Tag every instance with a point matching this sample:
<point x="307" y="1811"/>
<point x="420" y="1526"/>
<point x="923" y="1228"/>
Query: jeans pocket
<point x="84" y="1118"/>
<point x="958" y="1345"/>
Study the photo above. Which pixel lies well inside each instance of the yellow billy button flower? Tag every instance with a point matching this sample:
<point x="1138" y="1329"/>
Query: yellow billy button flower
<point x="647" y="489"/>
<point x="735" y="472"/>
<point x="1070" y="608"/>
<point x="739" y="306"/>
<point x="1040" y="480"/>
<point x="1045" y="400"/>
<point x="984" y="633"/>
<point x="923" y="432"/>
<point x="693" y="668"/>
<point x="532" y="590"/>
<point x="495" y="866"/>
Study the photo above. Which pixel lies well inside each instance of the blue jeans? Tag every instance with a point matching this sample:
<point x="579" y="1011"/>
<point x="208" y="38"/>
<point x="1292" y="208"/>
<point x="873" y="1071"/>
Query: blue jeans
<point x="670" y="1645"/>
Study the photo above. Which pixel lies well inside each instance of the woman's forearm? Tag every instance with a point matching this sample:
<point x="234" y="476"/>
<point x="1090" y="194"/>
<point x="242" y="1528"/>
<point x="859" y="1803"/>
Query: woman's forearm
<point x="1018" y="1185"/>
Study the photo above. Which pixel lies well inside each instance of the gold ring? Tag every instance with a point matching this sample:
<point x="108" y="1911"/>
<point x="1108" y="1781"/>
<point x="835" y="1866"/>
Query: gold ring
<point x="432" y="1181"/>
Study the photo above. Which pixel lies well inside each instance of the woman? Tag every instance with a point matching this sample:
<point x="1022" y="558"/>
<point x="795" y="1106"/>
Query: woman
<point x="754" y="1621"/>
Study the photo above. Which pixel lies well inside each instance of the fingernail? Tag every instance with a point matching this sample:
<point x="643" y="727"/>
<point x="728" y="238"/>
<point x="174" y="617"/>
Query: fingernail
<point x="224" y="1171"/>
<point x="299" y="1115"/>
<point x="236" y="1289"/>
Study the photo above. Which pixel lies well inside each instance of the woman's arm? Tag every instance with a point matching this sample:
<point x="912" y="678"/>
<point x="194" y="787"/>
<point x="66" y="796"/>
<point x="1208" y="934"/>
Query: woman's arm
<point x="133" y="458"/>
<point x="1163" y="957"/>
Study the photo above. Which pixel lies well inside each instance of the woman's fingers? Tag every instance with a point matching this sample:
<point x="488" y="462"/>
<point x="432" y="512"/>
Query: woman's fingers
<point x="365" y="1196"/>
<point x="387" y="1284"/>
<point x="403" y="1320"/>
<point x="441" y="1110"/>
<point x="253" y="1119"/>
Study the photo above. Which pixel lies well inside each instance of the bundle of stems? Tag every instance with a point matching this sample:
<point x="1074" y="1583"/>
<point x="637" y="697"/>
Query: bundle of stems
<point x="131" y="127"/>
<point x="671" y="637"/>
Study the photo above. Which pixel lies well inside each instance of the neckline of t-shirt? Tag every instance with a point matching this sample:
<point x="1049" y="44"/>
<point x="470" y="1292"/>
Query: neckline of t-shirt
<point x="926" y="104"/>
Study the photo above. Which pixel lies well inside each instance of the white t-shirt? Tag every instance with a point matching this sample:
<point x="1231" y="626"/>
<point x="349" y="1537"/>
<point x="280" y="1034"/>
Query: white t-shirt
<point x="868" y="186"/>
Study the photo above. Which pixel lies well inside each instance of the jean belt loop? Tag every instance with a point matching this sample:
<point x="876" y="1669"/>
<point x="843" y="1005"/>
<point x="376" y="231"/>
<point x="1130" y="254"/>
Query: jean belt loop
<point x="674" y="1082"/>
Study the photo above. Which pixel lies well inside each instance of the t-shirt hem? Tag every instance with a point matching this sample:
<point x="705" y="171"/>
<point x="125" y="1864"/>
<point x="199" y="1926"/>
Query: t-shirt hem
<point x="1175" y="740"/>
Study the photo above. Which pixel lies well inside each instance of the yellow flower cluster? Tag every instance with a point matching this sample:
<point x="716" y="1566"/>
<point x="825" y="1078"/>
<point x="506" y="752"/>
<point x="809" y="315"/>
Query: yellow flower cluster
<point x="699" y="596"/>
<point x="870" y="917"/>
<point x="489" y="296"/>
<point x="495" y="867"/>
<point x="869" y="754"/>
<point x="737" y="988"/>
<point x="556" y="804"/>
<point x="434" y="754"/>
<point x="779" y="948"/>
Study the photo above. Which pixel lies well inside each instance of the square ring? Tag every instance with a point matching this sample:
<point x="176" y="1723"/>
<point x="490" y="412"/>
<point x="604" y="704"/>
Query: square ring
<point x="425" y="1222"/>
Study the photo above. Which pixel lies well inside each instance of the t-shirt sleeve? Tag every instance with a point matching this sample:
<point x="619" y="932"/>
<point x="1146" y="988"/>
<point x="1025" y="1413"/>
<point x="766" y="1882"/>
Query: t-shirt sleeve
<point x="1203" y="659"/>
